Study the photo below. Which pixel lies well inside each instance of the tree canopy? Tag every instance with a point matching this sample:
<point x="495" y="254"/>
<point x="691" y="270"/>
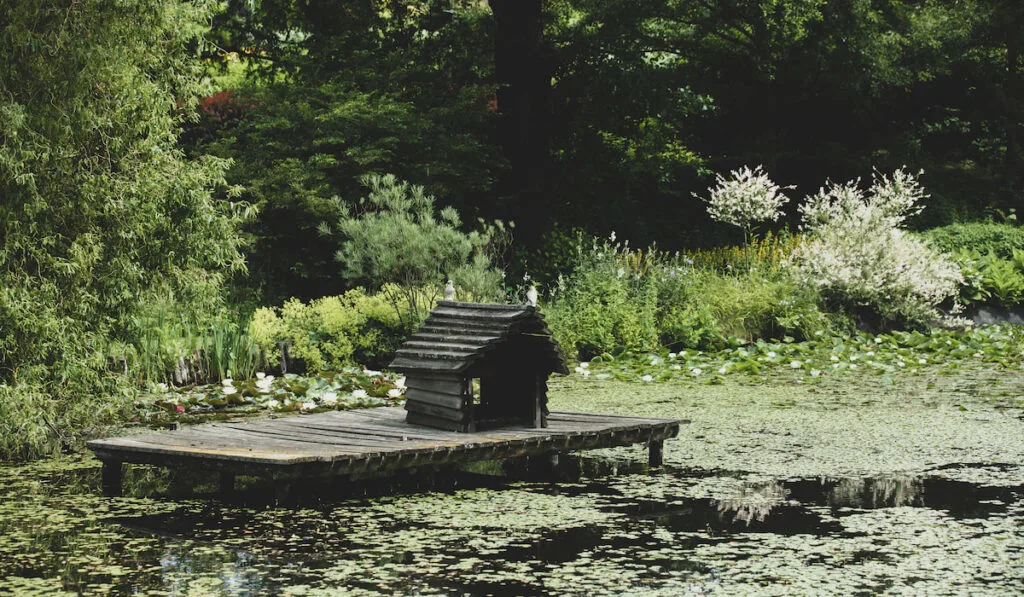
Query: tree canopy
<point x="102" y="215"/>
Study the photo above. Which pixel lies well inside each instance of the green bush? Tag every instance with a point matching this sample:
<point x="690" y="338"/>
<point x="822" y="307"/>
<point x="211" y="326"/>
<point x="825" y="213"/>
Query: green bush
<point x="983" y="237"/>
<point x="332" y="332"/>
<point x="395" y="241"/>
<point x="34" y="423"/>
<point x="701" y="308"/>
<point x="608" y="304"/>
<point x="990" y="278"/>
<point x="623" y="300"/>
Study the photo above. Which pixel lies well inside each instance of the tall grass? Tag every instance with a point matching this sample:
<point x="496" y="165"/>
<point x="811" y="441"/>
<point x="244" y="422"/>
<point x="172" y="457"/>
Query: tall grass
<point x="620" y="299"/>
<point x="170" y="349"/>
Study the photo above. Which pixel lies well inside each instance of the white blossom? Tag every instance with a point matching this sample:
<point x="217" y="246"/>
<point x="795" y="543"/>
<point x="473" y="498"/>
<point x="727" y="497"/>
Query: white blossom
<point x="747" y="198"/>
<point x="858" y="253"/>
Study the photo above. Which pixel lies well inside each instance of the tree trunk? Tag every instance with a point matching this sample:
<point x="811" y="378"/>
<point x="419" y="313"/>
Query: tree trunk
<point x="523" y="71"/>
<point x="1013" y="99"/>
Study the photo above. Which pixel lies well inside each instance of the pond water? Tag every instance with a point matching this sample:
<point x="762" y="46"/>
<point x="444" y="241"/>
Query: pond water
<point x="600" y="525"/>
<point x="843" y="494"/>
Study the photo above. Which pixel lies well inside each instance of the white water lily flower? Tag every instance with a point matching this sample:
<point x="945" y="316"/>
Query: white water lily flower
<point x="772" y="354"/>
<point x="400" y="382"/>
<point x="696" y="371"/>
<point x="372" y="373"/>
<point x="227" y="381"/>
<point x="359" y="394"/>
<point x="677" y="367"/>
<point x="228" y="390"/>
<point x="394" y="392"/>
<point x="796" y="364"/>
<point x="671" y="355"/>
<point x="271" y="404"/>
<point x="307" y="405"/>
<point x="329" y="398"/>
<point x="722" y="369"/>
<point x="647" y="378"/>
<point x="263" y="383"/>
<point x="260" y="375"/>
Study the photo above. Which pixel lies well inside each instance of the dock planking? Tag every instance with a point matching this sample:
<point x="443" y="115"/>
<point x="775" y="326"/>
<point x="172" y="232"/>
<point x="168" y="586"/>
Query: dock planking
<point x="355" y="442"/>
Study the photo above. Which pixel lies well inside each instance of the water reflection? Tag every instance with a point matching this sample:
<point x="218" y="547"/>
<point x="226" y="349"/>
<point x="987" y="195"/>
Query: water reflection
<point x="754" y="502"/>
<point x="182" y="571"/>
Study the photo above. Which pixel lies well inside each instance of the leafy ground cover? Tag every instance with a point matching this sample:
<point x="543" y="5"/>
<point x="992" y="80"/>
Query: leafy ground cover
<point x="885" y="355"/>
<point x="782" y="483"/>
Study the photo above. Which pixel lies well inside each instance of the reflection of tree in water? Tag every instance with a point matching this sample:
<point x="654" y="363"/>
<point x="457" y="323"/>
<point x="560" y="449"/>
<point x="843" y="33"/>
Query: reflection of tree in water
<point x="889" y="491"/>
<point x="753" y="502"/>
<point x="182" y="571"/>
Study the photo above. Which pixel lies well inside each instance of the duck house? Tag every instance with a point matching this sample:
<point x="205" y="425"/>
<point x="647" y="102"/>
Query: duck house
<point x="475" y="366"/>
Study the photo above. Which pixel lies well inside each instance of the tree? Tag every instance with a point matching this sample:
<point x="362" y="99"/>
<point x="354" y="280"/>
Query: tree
<point x="101" y="214"/>
<point x="396" y="241"/>
<point x="340" y="90"/>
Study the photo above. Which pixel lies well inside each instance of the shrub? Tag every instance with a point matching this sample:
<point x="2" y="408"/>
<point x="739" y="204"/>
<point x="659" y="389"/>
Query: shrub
<point x="862" y="263"/>
<point x="767" y="255"/>
<point x="34" y="423"/>
<point x="702" y="308"/>
<point x="747" y="199"/>
<point x="608" y="303"/>
<point x="983" y="237"/>
<point x="990" y="278"/>
<point x="332" y="332"/>
<point x="397" y="243"/>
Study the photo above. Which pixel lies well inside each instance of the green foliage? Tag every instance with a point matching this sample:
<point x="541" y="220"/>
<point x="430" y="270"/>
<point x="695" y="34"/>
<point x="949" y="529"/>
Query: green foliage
<point x="340" y="389"/>
<point x="397" y="242"/>
<point x="171" y="348"/>
<point x="608" y="304"/>
<point x="767" y="254"/>
<point x="983" y="237"/>
<point x="623" y="300"/>
<point x="35" y="423"/>
<point x="333" y="332"/>
<point x="990" y="278"/>
<point x="99" y="206"/>
<point x="702" y="309"/>
<point x="824" y="355"/>
<point x="339" y="90"/>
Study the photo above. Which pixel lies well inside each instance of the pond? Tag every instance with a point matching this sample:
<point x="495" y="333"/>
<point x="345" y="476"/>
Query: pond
<point x="857" y="487"/>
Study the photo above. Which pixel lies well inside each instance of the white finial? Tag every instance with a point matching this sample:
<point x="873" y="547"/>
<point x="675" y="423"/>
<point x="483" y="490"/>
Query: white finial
<point x="449" y="291"/>
<point x="531" y="296"/>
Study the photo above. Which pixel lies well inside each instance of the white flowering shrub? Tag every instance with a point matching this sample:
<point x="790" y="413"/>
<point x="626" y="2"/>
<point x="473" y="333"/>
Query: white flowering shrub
<point x="860" y="259"/>
<point x="746" y="199"/>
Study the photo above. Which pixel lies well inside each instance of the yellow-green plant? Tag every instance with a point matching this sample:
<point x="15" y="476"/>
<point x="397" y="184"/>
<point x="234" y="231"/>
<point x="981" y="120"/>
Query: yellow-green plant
<point x="332" y="332"/>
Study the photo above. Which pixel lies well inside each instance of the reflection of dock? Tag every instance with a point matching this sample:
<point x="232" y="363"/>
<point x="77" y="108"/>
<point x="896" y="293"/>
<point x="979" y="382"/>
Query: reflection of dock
<point x="361" y="442"/>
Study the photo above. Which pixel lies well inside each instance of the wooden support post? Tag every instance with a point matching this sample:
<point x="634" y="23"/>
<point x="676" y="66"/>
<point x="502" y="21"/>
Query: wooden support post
<point x="111" y="478"/>
<point x="657" y="453"/>
<point x="227" y="482"/>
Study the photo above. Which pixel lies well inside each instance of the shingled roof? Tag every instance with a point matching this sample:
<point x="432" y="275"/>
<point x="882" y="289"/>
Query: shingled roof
<point x="457" y="335"/>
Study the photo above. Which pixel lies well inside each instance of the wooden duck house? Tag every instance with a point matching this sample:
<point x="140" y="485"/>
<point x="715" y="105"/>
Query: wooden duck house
<point x="474" y="366"/>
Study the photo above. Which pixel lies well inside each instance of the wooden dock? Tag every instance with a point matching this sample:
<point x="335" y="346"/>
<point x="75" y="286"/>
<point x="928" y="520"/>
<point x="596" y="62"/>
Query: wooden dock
<point x="366" y="441"/>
